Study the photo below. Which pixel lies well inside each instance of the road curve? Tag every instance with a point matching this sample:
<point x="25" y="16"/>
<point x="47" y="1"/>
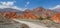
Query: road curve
<point x="30" y="24"/>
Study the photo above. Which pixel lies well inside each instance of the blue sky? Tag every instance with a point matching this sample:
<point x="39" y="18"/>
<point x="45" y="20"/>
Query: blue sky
<point x="34" y="3"/>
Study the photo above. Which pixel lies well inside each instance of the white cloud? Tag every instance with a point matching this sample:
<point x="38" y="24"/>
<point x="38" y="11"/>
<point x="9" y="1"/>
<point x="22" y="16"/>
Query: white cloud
<point x="27" y="3"/>
<point x="56" y="7"/>
<point x="9" y="4"/>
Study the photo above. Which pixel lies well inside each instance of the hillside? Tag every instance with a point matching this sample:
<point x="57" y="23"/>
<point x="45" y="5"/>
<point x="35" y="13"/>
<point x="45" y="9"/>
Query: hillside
<point x="34" y="14"/>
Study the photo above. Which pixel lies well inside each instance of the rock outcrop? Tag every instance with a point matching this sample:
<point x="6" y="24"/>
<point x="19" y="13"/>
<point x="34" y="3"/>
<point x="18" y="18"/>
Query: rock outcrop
<point x="29" y="14"/>
<point x="56" y="18"/>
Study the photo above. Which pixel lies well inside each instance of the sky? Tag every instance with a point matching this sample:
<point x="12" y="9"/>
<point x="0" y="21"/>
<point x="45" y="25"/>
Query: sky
<point x="29" y="3"/>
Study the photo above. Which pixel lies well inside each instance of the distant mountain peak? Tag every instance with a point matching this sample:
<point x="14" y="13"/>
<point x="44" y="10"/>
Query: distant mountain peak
<point x="56" y="8"/>
<point x="38" y="9"/>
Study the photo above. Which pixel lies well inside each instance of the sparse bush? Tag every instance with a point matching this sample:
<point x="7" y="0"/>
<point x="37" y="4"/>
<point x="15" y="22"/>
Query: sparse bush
<point x="41" y="18"/>
<point x="44" y="18"/>
<point x="48" y="17"/>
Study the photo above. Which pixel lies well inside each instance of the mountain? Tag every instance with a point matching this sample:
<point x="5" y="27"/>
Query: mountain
<point x="36" y="13"/>
<point x="56" y="8"/>
<point x="56" y="18"/>
<point x="40" y="11"/>
<point x="9" y="10"/>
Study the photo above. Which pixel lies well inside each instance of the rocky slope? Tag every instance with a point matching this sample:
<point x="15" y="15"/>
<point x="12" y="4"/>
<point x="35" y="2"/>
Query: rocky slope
<point x="34" y="14"/>
<point x="56" y="18"/>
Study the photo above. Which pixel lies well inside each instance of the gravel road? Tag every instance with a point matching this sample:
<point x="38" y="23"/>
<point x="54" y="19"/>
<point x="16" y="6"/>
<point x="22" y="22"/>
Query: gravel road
<point x="30" y="24"/>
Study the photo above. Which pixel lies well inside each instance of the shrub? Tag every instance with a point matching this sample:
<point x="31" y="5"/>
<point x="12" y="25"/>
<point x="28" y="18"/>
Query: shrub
<point x="40" y="18"/>
<point x="48" y="18"/>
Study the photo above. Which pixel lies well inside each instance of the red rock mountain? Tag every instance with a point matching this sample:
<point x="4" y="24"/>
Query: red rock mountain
<point x="40" y="11"/>
<point x="29" y="14"/>
<point x="56" y="18"/>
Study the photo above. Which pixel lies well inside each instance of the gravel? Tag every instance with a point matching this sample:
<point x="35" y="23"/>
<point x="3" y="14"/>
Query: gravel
<point x="8" y="23"/>
<point x="46" y="23"/>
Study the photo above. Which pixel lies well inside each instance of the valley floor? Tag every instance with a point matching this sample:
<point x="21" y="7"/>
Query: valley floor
<point x="39" y="24"/>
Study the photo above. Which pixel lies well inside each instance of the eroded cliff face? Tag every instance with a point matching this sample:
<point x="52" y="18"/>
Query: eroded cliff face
<point x="25" y="15"/>
<point x="10" y="14"/>
<point x="56" y="18"/>
<point x="29" y="14"/>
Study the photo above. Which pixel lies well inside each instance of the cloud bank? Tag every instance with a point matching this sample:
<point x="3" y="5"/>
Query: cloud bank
<point x="9" y="4"/>
<point x="56" y="7"/>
